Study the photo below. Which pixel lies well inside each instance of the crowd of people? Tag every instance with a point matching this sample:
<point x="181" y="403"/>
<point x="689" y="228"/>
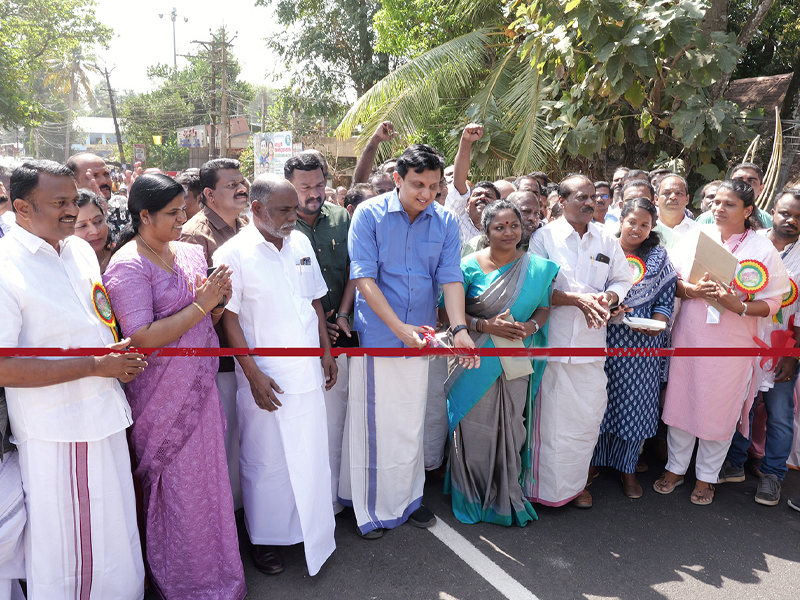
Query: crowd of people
<point x="121" y="469"/>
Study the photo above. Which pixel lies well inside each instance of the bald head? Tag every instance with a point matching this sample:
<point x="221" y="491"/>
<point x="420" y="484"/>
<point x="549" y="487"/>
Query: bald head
<point x="504" y="187"/>
<point x="264" y="186"/>
<point x="88" y="166"/>
<point x="274" y="204"/>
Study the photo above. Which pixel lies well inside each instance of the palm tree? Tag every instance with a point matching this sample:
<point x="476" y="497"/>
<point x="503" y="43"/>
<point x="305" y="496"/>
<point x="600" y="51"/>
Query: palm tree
<point x="64" y="74"/>
<point x="486" y="68"/>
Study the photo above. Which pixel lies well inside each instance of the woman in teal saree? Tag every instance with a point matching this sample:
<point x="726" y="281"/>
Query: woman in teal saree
<point x="507" y="298"/>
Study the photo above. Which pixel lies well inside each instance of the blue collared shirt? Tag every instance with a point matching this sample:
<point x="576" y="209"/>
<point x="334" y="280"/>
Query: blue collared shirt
<point x="407" y="260"/>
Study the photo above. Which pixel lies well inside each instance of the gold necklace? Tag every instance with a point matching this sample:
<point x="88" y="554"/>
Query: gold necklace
<point x="163" y="262"/>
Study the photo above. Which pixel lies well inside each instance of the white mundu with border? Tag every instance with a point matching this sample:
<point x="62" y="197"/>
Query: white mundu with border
<point x="81" y="539"/>
<point x="284" y="463"/>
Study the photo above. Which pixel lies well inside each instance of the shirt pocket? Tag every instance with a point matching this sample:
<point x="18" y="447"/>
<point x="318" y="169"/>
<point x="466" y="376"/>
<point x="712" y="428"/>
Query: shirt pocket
<point x="598" y="275"/>
<point x="305" y="281"/>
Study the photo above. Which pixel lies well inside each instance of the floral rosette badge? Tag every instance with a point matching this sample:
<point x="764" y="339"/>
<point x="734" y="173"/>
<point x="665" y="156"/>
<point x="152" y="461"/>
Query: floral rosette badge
<point x="790" y="297"/>
<point x="752" y="277"/>
<point x="638" y="268"/>
<point x="102" y="307"/>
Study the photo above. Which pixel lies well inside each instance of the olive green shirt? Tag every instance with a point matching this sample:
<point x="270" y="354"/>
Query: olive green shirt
<point x="328" y="236"/>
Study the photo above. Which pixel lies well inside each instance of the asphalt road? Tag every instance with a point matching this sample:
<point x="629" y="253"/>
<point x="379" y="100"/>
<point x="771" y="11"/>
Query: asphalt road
<point x="655" y="548"/>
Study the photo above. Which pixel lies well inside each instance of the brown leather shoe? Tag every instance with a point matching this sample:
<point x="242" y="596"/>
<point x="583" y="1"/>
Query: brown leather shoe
<point x="631" y="487"/>
<point x="583" y="501"/>
<point x="267" y="559"/>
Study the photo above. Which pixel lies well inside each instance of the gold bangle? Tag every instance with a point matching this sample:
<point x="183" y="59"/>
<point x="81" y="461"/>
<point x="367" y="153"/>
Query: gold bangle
<point x="200" y="308"/>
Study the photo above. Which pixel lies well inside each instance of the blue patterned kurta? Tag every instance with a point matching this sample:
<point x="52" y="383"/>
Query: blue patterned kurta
<point x="634" y="382"/>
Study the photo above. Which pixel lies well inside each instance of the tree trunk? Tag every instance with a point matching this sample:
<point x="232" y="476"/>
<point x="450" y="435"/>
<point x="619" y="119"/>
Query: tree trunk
<point x="715" y="19"/>
<point x="748" y="31"/>
<point x="114" y="116"/>
<point x="790" y="111"/>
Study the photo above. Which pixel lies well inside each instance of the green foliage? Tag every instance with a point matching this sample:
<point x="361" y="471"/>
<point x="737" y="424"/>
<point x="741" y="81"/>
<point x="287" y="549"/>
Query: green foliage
<point x="775" y="47"/>
<point x="634" y="74"/>
<point x="333" y="47"/>
<point x="34" y="36"/>
<point x="247" y="162"/>
<point x="409" y="28"/>
<point x="182" y="98"/>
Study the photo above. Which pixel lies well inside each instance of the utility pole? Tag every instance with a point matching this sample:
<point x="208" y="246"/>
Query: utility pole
<point x="69" y="110"/>
<point x="218" y="45"/>
<point x="107" y="74"/>
<point x="223" y="136"/>
<point x="263" y="110"/>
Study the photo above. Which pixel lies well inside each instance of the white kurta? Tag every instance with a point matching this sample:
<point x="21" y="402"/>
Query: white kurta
<point x="285" y="474"/>
<point x="573" y="396"/>
<point x="74" y="459"/>
<point x="12" y="525"/>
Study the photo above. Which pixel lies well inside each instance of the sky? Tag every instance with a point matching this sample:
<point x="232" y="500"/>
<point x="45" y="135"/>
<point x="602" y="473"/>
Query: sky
<point x="142" y="39"/>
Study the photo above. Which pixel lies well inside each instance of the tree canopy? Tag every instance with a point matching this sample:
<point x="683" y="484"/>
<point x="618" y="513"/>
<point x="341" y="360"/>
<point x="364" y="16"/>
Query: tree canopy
<point x="34" y="36"/>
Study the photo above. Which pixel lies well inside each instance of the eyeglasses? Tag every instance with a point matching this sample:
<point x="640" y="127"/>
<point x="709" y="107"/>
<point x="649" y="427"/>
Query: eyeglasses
<point x="603" y="196"/>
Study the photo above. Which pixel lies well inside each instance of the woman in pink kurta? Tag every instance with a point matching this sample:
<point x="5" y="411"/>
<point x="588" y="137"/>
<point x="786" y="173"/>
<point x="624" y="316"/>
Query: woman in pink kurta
<point x="706" y="396"/>
<point x="159" y="292"/>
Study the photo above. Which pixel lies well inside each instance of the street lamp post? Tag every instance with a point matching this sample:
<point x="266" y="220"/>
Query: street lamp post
<point x="173" y="16"/>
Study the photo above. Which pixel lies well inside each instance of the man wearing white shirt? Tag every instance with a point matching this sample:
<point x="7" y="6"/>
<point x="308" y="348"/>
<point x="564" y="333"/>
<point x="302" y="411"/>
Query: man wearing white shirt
<point x="68" y="416"/>
<point x="468" y="204"/>
<point x="672" y="198"/>
<point x="284" y="468"/>
<point x="594" y="278"/>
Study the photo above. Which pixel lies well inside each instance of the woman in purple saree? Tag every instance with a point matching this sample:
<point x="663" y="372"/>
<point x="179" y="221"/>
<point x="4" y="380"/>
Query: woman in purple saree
<point x="161" y="298"/>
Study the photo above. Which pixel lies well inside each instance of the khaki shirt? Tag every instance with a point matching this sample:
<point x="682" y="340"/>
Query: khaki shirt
<point x="209" y="230"/>
<point x="328" y="236"/>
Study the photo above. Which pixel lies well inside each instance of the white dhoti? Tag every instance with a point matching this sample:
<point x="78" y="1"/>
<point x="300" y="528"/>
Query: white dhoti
<point x="226" y="384"/>
<point x="435" y="436"/>
<point x="285" y="474"/>
<point x="81" y="539"/>
<point x="336" y="410"/>
<point x="12" y="527"/>
<point x="386" y="416"/>
<point x="567" y="416"/>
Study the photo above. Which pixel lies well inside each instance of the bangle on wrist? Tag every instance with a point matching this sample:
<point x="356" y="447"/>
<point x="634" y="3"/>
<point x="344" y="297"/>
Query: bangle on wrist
<point x="200" y="308"/>
<point x="343" y="314"/>
<point x="535" y="324"/>
<point x="744" y="309"/>
<point x="473" y="323"/>
<point x="479" y="325"/>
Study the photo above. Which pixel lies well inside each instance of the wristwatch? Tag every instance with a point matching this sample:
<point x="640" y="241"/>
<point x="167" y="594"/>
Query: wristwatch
<point x="457" y="328"/>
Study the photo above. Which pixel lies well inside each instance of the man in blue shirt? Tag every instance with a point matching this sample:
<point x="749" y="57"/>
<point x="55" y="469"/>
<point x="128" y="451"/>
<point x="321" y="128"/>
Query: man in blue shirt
<point x="402" y="247"/>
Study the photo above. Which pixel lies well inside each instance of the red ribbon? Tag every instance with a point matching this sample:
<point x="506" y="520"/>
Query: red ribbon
<point x="780" y="339"/>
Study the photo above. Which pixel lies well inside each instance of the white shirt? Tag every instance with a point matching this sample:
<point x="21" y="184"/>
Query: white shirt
<point x="46" y="302"/>
<point x="790" y="256"/>
<point x="456" y="202"/>
<point x="7" y="219"/>
<point x="682" y="228"/>
<point x="272" y="294"/>
<point x="582" y="273"/>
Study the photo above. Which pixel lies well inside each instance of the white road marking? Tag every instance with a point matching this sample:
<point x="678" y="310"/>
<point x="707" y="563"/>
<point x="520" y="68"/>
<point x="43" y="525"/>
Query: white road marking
<point x="483" y="565"/>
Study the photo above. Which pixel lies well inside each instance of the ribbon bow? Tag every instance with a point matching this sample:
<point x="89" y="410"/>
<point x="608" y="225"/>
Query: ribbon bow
<point x="782" y="338"/>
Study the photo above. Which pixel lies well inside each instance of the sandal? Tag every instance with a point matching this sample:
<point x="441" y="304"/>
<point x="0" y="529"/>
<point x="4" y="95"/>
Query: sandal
<point x="662" y="486"/>
<point x="703" y="497"/>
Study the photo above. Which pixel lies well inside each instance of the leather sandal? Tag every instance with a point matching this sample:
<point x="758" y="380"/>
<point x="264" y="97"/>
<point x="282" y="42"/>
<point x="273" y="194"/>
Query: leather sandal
<point x="662" y="486"/>
<point x="703" y="497"/>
